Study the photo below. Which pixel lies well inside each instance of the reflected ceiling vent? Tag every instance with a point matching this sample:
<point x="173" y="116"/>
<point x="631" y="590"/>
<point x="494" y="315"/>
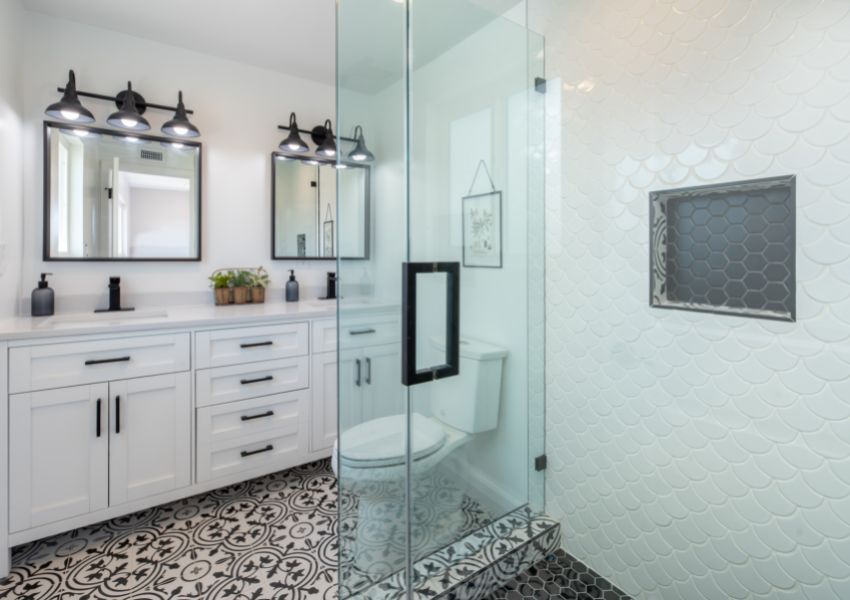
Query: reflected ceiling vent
<point x="151" y="155"/>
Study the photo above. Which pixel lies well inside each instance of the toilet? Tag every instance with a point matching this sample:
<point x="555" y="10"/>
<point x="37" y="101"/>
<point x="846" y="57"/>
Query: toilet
<point x="373" y="468"/>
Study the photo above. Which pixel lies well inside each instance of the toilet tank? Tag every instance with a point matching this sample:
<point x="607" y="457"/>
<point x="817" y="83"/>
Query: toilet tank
<point x="469" y="401"/>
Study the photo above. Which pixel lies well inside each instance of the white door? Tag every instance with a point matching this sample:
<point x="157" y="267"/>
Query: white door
<point x="58" y="454"/>
<point x="150" y="434"/>
<point x="351" y="371"/>
<point x="324" y="415"/>
<point x="383" y="392"/>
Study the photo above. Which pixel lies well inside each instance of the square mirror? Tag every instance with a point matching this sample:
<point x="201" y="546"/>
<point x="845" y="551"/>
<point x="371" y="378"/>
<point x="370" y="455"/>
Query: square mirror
<point x="305" y="211"/>
<point x="110" y="195"/>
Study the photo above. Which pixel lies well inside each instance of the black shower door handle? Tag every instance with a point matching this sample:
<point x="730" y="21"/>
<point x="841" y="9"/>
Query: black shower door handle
<point x="410" y="375"/>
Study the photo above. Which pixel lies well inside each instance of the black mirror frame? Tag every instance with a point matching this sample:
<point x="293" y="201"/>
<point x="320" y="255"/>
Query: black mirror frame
<point x="367" y="207"/>
<point x="45" y="232"/>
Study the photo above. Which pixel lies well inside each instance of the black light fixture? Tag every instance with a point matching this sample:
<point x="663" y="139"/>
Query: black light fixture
<point x="361" y="152"/>
<point x="69" y="108"/>
<point x="180" y="126"/>
<point x="327" y="147"/>
<point x="129" y="116"/>
<point x="293" y="142"/>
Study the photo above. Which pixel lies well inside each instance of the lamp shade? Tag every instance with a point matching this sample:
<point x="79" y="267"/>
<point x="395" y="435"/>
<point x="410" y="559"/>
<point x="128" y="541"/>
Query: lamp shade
<point x="69" y="108"/>
<point x="361" y="152"/>
<point x="328" y="145"/>
<point x="128" y="116"/>
<point x="293" y="142"/>
<point x="180" y="126"/>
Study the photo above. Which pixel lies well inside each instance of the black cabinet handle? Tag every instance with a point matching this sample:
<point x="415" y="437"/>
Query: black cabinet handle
<point x="410" y="375"/>
<point x="268" y="413"/>
<point x="357" y="372"/>
<point x="245" y="453"/>
<point x="103" y="361"/>
<point x="257" y="380"/>
<point x="117" y="414"/>
<point x="256" y="344"/>
<point x="97" y="421"/>
<point x="368" y="371"/>
<point x="361" y="332"/>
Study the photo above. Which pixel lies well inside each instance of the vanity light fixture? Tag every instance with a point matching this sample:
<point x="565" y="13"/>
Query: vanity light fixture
<point x="180" y="126"/>
<point x="129" y="116"/>
<point x="293" y="142"/>
<point x="328" y="146"/>
<point x="69" y="108"/>
<point x="361" y="152"/>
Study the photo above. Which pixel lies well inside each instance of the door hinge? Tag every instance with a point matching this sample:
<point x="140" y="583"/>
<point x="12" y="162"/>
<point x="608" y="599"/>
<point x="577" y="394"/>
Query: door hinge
<point x="540" y="463"/>
<point x="540" y="85"/>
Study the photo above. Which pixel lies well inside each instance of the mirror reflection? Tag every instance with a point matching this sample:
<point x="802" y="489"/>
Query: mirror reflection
<point x="304" y="208"/>
<point x="111" y="196"/>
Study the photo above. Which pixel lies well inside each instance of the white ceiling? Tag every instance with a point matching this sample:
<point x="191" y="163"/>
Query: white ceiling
<point x="290" y="36"/>
<point x="296" y="37"/>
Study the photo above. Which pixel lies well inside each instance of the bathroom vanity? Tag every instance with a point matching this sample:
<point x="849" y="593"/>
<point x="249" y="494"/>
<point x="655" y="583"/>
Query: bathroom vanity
<point x="111" y="414"/>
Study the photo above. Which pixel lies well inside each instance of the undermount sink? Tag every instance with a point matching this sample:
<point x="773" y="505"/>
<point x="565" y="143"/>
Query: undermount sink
<point x="100" y="319"/>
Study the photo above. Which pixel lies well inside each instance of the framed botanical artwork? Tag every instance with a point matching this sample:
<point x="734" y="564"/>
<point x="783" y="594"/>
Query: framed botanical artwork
<point x="482" y="230"/>
<point x="328" y="238"/>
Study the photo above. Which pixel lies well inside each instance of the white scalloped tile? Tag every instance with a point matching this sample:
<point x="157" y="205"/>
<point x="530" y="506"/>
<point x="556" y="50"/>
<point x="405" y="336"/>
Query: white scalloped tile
<point x="696" y="456"/>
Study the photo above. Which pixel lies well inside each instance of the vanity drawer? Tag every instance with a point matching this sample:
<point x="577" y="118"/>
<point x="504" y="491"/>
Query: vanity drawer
<point x="324" y="335"/>
<point x="228" y="384"/>
<point x="78" y="363"/>
<point x="371" y="331"/>
<point x="267" y="433"/>
<point x="251" y="344"/>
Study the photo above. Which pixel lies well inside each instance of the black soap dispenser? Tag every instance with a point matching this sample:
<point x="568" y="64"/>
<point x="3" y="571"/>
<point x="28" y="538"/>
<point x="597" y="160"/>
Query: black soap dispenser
<point x="292" y="287"/>
<point x="42" y="298"/>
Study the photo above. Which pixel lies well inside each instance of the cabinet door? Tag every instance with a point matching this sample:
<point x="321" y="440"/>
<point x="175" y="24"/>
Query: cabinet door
<point x="150" y="431"/>
<point x="350" y="388"/>
<point x="383" y="392"/>
<point x="59" y="454"/>
<point x="324" y="411"/>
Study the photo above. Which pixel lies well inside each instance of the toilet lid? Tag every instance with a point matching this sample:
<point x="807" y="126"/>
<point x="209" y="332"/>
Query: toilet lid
<point x="381" y="442"/>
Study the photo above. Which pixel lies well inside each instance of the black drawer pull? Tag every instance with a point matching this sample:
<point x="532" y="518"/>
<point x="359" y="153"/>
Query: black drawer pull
<point x="117" y="414"/>
<point x="257" y="380"/>
<point x="268" y="413"/>
<point x="256" y="344"/>
<point x="246" y="453"/>
<point x="97" y="421"/>
<point x="103" y="361"/>
<point x="361" y="332"/>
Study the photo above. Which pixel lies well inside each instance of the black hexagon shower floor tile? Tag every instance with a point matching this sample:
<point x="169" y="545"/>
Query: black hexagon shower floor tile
<point x="270" y="538"/>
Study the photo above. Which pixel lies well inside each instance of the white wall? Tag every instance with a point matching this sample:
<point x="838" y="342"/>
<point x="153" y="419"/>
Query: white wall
<point x="11" y="176"/>
<point x="698" y="456"/>
<point x="237" y="108"/>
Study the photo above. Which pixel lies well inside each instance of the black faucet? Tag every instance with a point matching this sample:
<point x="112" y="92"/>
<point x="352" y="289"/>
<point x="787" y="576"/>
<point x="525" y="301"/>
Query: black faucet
<point x="114" y="297"/>
<point x="331" y="293"/>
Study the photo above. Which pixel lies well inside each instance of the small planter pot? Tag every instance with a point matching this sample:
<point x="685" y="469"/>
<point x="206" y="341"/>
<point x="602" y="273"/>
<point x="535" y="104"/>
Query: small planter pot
<point x="222" y="296"/>
<point x="240" y="295"/>
<point x="258" y="295"/>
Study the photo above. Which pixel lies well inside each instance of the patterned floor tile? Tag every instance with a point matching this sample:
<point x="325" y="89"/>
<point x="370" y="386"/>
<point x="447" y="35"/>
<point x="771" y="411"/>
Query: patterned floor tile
<point x="559" y="576"/>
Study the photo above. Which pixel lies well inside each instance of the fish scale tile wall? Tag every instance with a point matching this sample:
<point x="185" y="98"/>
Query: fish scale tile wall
<point x="697" y="456"/>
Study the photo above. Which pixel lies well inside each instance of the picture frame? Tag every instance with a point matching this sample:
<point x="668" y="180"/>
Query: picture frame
<point x="328" y="238"/>
<point x="482" y="230"/>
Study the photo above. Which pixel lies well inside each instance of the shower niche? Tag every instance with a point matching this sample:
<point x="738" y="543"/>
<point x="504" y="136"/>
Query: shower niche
<point x="725" y="248"/>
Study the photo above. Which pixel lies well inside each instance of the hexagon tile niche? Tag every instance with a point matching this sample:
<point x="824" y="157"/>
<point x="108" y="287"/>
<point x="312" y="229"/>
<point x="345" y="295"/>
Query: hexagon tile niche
<point x="725" y="248"/>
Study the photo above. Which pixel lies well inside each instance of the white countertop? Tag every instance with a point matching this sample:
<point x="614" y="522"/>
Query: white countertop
<point x="176" y="317"/>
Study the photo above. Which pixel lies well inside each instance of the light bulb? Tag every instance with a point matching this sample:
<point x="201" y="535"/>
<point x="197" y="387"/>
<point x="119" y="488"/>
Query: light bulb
<point x="71" y="115"/>
<point x="341" y="166"/>
<point x="294" y="147"/>
<point x="358" y="157"/>
<point x="128" y="122"/>
<point x="180" y="130"/>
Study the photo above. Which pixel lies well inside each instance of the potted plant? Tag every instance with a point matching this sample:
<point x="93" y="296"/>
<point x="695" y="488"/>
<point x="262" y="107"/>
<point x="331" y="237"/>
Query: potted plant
<point x="220" y="281"/>
<point x="240" y="281"/>
<point x="259" y="282"/>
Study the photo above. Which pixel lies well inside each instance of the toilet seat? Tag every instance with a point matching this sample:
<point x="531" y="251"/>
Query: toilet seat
<point x="381" y="442"/>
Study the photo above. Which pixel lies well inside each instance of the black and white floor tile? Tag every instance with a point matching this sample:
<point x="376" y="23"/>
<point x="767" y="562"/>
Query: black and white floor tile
<point x="559" y="577"/>
<point x="271" y="538"/>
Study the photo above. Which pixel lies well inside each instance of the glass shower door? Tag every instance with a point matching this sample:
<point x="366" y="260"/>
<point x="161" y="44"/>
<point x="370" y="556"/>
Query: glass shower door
<point x="437" y="385"/>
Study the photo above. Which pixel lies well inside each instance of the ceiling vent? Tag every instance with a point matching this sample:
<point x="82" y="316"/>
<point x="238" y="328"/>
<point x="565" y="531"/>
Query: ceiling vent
<point x="152" y="155"/>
